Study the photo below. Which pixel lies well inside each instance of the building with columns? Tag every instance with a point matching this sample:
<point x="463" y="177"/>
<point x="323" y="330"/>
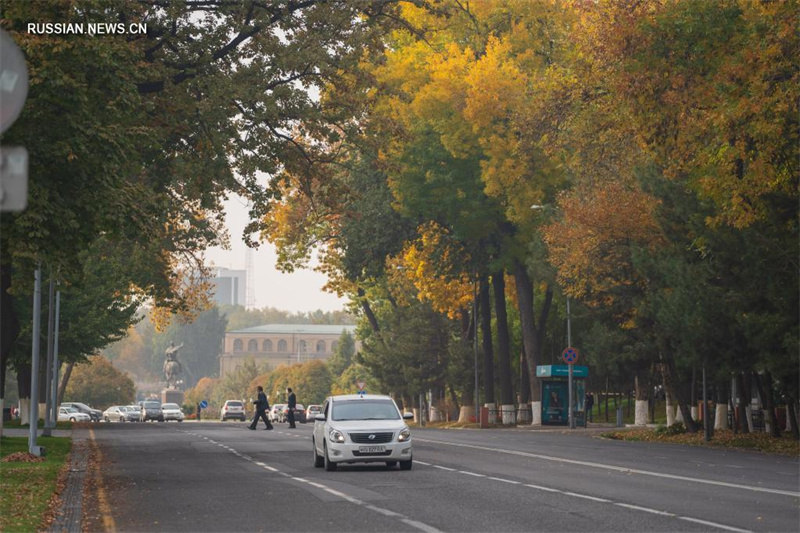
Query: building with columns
<point x="272" y="345"/>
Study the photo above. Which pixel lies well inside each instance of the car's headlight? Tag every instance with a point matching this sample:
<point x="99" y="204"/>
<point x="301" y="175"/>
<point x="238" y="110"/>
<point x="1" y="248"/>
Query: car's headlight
<point x="336" y="436"/>
<point x="404" y="435"/>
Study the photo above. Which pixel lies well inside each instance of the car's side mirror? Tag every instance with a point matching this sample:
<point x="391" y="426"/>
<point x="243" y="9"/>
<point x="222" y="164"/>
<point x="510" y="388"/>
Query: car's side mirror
<point x="320" y="418"/>
<point x="408" y="416"/>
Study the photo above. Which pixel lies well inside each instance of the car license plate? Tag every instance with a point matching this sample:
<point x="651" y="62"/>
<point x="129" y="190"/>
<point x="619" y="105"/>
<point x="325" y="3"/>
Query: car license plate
<point x="371" y="449"/>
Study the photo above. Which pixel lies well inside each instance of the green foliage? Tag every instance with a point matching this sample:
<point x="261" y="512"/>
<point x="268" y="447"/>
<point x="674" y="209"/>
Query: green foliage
<point x="99" y="384"/>
<point x="342" y="358"/>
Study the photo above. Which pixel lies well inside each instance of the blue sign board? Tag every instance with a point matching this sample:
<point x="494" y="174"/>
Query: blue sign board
<point x="552" y="371"/>
<point x="203" y="404"/>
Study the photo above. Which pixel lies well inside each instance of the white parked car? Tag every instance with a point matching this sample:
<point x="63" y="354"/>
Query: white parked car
<point x="70" y="414"/>
<point x="116" y="413"/>
<point x="361" y="428"/>
<point x="232" y="409"/>
<point x="172" y="411"/>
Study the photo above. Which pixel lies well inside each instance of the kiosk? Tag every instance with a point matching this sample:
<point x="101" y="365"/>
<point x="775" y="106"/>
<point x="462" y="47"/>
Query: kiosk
<point x="555" y="393"/>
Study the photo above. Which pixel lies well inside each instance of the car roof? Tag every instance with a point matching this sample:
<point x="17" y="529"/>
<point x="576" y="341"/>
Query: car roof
<point x="344" y="397"/>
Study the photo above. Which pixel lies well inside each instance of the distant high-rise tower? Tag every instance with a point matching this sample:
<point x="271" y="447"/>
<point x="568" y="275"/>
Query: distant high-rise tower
<point x="251" y="289"/>
<point x="230" y="286"/>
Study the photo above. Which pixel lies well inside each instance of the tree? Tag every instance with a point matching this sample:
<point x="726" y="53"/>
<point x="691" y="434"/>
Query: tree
<point x="343" y="355"/>
<point x="99" y="384"/>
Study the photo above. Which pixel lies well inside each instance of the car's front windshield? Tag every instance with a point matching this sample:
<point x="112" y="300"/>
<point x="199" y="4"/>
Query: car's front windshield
<point x="170" y="406"/>
<point x="364" y="410"/>
<point x="151" y="405"/>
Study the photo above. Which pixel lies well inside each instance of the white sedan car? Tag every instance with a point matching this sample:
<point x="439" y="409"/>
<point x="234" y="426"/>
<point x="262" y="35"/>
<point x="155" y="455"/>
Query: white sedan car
<point x="361" y="428"/>
<point x="172" y="411"/>
<point x="70" y="414"/>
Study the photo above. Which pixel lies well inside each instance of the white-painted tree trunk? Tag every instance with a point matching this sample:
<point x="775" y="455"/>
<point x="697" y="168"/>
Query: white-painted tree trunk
<point x="721" y="416"/>
<point x="508" y="414"/>
<point x="523" y="415"/>
<point x="640" y="418"/>
<point x="536" y="413"/>
<point x="465" y="413"/>
<point x="492" y="412"/>
<point x="670" y="414"/>
<point x="748" y="415"/>
<point x="435" y="415"/>
<point x="24" y="411"/>
<point x="678" y="415"/>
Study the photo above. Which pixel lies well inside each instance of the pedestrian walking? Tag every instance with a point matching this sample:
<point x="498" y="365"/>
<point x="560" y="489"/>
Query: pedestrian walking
<point x="262" y="405"/>
<point x="291" y="404"/>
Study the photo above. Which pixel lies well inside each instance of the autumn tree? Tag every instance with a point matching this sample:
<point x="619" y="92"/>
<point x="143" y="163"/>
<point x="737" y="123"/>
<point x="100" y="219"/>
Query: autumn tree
<point x="98" y="383"/>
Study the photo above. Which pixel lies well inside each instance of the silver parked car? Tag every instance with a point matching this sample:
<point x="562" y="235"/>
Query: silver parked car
<point x="361" y="428"/>
<point x="172" y="411"/>
<point x="116" y="413"/>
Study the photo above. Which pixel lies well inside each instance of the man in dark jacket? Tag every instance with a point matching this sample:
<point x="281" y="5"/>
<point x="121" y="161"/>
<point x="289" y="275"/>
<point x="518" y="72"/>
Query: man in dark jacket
<point x="262" y="405"/>
<point x="291" y="404"/>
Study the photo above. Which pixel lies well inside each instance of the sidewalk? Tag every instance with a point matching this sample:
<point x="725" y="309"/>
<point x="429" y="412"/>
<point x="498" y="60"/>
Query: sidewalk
<point x="70" y="514"/>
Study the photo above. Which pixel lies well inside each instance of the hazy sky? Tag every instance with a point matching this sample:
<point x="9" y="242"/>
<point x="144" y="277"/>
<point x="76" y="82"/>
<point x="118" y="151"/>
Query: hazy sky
<point x="300" y="291"/>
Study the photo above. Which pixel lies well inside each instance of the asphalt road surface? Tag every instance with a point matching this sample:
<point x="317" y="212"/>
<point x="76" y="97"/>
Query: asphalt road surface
<point x="215" y="476"/>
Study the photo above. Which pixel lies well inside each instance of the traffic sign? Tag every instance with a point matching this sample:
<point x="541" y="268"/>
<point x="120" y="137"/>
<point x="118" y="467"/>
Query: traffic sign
<point x="570" y="355"/>
<point x="13" y="178"/>
<point x="203" y="404"/>
<point x="13" y="80"/>
<point x="361" y="385"/>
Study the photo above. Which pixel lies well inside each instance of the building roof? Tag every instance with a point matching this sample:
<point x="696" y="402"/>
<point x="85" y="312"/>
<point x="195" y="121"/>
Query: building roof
<point x="298" y="329"/>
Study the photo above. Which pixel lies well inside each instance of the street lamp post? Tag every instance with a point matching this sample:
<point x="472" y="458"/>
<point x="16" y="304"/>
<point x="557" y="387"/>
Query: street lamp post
<point x="475" y="342"/>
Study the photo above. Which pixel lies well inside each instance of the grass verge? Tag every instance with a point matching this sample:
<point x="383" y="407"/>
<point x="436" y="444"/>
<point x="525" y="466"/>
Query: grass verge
<point x="760" y="442"/>
<point x="26" y="488"/>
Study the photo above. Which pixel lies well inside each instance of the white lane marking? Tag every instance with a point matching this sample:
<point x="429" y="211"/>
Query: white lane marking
<point x="713" y="524"/>
<point x="386" y="512"/>
<point x="644" y="509"/>
<point x="595" y="499"/>
<point x="623" y="469"/>
<point x="510" y="481"/>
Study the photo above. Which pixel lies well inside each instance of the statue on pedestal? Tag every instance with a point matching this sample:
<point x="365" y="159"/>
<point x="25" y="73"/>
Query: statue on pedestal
<point x="172" y="367"/>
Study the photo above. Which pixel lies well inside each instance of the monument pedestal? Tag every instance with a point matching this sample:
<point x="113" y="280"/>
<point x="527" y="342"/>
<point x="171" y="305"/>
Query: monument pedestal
<point x="172" y="396"/>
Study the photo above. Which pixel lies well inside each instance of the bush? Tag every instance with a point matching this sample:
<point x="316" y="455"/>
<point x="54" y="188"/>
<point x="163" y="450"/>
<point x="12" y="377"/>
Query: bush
<point x="674" y="429"/>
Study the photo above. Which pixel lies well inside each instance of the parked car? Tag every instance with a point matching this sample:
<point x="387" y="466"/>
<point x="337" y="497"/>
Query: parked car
<point x="276" y="412"/>
<point x="312" y="411"/>
<point x="172" y="411"/>
<point x="299" y="413"/>
<point x="116" y="413"/>
<point x="151" y="410"/>
<point x="71" y="414"/>
<point x="134" y="412"/>
<point x="94" y="414"/>
<point x="357" y="428"/>
<point x="232" y="409"/>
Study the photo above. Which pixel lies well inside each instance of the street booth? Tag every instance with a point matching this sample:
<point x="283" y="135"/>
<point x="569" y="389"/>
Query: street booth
<point x="555" y="393"/>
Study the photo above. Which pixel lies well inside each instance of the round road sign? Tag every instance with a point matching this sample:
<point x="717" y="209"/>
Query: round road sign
<point x="570" y="355"/>
<point x="13" y="80"/>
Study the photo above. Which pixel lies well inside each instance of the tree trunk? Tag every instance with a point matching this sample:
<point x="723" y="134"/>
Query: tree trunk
<point x="64" y="382"/>
<point x="9" y="325"/>
<point x="525" y="384"/>
<point x="531" y="336"/>
<point x="668" y="370"/>
<point x="765" y="391"/>
<point x="503" y="342"/>
<point x="791" y="414"/>
<point x="486" y="339"/>
<point x="640" y="413"/>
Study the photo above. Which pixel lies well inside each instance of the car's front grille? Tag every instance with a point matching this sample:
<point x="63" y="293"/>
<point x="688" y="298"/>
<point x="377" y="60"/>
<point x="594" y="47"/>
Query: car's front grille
<point x="372" y="438"/>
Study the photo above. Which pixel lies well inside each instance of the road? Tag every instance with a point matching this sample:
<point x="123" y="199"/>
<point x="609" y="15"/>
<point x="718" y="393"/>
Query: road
<point x="215" y="476"/>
